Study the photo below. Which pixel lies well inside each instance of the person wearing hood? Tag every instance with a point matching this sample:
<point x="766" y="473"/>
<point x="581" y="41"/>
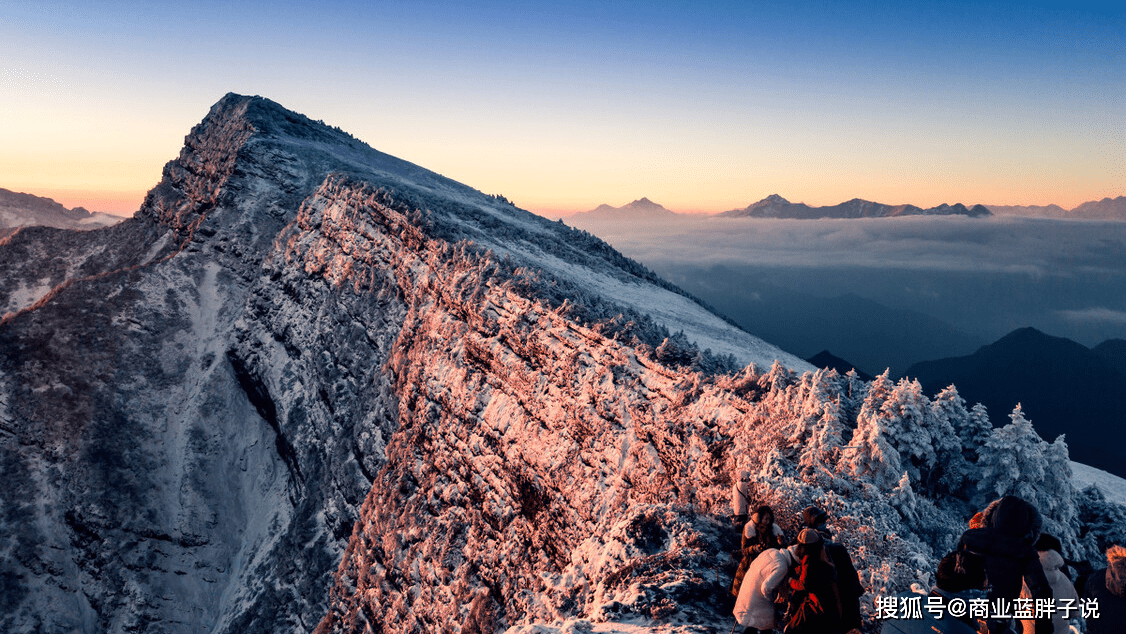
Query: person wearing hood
<point x="1006" y="545"/>
<point x="1108" y="587"/>
<point x="765" y="579"/>
<point x="848" y="581"/>
<point x="1051" y="560"/>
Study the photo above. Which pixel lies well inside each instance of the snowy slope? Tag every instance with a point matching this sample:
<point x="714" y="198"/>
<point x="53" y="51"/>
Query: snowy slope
<point x="1112" y="486"/>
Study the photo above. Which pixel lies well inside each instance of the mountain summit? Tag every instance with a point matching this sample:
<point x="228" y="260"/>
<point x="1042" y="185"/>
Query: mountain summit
<point x="195" y="403"/>
<point x="310" y="387"/>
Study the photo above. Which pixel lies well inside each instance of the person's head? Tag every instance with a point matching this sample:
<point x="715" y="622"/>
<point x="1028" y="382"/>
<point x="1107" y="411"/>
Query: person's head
<point x="814" y="516"/>
<point x="763" y="519"/>
<point x="952" y="577"/>
<point x="809" y="544"/>
<point x="1015" y="518"/>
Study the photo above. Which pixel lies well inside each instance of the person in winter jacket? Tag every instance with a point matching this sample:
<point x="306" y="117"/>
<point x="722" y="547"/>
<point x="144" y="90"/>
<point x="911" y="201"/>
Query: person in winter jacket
<point x="952" y="581"/>
<point x="1051" y="560"/>
<point x="848" y="581"/>
<point x="759" y="534"/>
<point x="815" y="606"/>
<point x="1108" y="587"/>
<point x="766" y="578"/>
<point x="1005" y="544"/>
<point x="741" y="499"/>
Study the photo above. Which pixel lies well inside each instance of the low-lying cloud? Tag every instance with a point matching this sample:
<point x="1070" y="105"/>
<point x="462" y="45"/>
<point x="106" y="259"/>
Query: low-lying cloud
<point x="1101" y="315"/>
<point x="1031" y="246"/>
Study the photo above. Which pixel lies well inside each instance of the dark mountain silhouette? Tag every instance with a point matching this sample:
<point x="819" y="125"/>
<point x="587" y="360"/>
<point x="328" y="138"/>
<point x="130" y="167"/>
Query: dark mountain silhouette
<point x="774" y="206"/>
<point x="828" y="360"/>
<point x="1114" y="352"/>
<point x="1062" y="386"/>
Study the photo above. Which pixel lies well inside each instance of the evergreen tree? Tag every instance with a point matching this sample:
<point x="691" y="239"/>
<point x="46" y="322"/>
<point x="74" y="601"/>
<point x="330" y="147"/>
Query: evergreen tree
<point x="1012" y="460"/>
<point x="869" y="453"/>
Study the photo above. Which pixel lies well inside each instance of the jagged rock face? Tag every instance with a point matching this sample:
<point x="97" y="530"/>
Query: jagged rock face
<point x="195" y="403"/>
<point x="174" y="460"/>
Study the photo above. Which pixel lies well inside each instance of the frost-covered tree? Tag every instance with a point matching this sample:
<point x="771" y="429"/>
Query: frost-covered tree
<point x="1012" y="460"/>
<point x="909" y="426"/>
<point x="950" y="419"/>
<point x="1016" y="461"/>
<point x="869" y="453"/>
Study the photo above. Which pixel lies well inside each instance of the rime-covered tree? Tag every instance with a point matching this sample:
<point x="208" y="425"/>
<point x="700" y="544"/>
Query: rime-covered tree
<point x="950" y="419"/>
<point x="869" y="453"/>
<point x="1012" y="460"/>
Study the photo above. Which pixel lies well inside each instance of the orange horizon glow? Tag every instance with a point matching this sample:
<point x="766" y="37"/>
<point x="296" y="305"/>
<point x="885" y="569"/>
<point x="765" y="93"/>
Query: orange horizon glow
<point x="126" y="202"/>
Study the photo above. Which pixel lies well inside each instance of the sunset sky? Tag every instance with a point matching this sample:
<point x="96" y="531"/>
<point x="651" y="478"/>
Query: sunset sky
<point x="562" y="106"/>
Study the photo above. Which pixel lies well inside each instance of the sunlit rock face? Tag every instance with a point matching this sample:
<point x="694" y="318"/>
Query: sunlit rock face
<point x="202" y="409"/>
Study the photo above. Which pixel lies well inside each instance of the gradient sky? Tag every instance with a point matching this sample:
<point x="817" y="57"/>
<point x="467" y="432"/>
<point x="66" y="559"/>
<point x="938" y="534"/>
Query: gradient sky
<point x="562" y="106"/>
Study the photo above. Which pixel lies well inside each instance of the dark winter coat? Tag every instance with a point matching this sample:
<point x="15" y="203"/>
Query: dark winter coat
<point x="1109" y="588"/>
<point x="1010" y="558"/>
<point x="815" y="606"/>
<point x="848" y="581"/>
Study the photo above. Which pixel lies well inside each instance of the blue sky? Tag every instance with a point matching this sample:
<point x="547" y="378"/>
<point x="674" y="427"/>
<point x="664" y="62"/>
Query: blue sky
<point x="562" y="106"/>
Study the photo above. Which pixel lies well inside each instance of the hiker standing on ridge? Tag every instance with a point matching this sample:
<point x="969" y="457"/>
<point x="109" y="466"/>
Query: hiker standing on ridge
<point x="740" y="499"/>
<point x="815" y="606"/>
<point x="1005" y="543"/>
<point x="848" y="581"/>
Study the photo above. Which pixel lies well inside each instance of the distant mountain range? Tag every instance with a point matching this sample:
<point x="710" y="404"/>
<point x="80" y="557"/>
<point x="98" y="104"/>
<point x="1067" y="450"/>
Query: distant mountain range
<point x="1063" y="388"/>
<point x="774" y="206"/>
<point x="1105" y="209"/>
<point x="640" y="209"/>
<point x="22" y="210"/>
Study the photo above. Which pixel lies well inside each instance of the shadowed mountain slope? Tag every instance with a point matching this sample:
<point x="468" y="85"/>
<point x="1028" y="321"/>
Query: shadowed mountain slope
<point x="1062" y="386"/>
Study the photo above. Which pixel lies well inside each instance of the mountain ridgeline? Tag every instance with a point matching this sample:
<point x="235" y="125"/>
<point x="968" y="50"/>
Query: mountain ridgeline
<point x="312" y="387"/>
<point x="774" y="206"/>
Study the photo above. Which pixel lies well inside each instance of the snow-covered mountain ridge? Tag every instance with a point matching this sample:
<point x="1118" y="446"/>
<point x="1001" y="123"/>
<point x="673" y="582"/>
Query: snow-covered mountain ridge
<point x="310" y="387"/>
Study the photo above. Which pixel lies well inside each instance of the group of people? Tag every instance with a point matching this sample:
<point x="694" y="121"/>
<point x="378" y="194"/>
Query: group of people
<point x="810" y="586"/>
<point x="1004" y="561"/>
